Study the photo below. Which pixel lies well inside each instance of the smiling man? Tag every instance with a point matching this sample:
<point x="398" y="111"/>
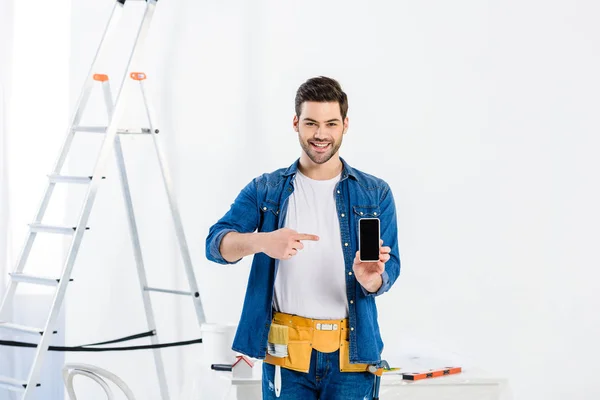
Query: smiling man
<point x="310" y="309"/>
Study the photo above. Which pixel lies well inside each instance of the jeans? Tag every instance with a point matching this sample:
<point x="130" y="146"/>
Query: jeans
<point x="324" y="381"/>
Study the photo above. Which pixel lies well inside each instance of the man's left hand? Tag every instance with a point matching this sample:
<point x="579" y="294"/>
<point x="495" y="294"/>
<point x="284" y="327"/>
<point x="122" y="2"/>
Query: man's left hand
<point x="368" y="274"/>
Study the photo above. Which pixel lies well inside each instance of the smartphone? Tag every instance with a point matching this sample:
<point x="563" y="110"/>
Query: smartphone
<point x="368" y="239"/>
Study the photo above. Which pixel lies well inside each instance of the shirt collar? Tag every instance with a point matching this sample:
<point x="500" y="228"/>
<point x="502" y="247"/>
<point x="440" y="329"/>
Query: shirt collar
<point x="347" y="170"/>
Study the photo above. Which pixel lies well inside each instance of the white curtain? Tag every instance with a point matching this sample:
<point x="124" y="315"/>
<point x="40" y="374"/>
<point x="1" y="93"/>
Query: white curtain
<point x="6" y="17"/>
<point x="6" y="24"/>
<point x="3" y="187"/>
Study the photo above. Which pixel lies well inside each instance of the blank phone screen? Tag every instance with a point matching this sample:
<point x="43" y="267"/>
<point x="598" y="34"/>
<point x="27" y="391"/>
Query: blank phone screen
<point x="369" y="239"/>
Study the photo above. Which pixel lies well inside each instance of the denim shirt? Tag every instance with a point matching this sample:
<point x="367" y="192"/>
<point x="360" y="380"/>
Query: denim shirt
<point x="262" y="206"/>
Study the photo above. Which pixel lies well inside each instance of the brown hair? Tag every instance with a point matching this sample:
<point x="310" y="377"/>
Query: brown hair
<point x="322" y="89"/>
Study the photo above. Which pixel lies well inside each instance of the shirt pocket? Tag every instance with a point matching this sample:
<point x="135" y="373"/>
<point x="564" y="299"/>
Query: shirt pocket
<point x="365" y="212"/>
<point x="269" y="215"/>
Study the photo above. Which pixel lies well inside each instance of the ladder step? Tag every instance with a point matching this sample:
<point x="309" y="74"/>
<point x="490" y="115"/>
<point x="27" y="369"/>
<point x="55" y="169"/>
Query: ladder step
<point x="38" y="280"/>
<point x="21" y="328"/>
<point x="91" y="129"/>
<point x="70" y="179"/>
<point x="64" y="230"/>
<point x="142" y="131"/>
<point x="13" y="384"/>
<point x="170" y="291"/>
<point x="102" y="129"/>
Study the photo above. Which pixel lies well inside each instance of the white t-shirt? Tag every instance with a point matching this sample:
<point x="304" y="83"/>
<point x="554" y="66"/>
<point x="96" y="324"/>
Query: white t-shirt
<point x="312" y="284"/>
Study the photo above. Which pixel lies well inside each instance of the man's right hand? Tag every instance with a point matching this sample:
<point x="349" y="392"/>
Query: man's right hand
<point x="284" y="243"/>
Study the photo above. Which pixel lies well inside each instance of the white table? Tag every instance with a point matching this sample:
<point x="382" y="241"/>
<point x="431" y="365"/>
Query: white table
<point x="468" y="385"/>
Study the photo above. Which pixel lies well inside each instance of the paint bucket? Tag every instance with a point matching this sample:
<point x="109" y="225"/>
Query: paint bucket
<point x="217" y="340"/>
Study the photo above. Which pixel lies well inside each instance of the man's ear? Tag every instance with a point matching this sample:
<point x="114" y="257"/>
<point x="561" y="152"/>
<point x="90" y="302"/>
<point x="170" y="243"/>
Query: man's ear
<point x="345" y="125"/>
<point x="296" y="122"/>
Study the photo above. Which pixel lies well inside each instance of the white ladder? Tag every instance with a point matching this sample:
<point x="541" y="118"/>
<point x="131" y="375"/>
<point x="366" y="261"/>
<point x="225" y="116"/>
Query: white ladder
<point x="111" y="140"/>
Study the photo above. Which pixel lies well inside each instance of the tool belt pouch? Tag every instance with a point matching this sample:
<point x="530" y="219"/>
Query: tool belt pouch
<point x="345" y="365"/>
<point x="305" y="335"/>
<point x="299" y="347"/>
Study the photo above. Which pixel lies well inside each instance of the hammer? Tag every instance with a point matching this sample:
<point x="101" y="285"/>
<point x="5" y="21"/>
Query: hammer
<point x="377" y="370"/>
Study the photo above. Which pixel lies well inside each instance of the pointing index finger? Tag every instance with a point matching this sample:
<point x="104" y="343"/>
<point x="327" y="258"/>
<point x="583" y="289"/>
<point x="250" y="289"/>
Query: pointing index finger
<point x="306" y="236"/>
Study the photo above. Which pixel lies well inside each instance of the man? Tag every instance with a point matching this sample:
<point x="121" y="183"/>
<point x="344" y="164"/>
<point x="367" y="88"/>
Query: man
<point x="308" y="289"/>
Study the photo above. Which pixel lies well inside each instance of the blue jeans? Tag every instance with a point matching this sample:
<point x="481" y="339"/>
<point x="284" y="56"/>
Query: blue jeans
<point x="324" y="381"/>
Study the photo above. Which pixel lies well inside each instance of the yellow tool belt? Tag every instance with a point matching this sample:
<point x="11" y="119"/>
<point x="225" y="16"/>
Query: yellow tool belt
<point x="305" y="334"/>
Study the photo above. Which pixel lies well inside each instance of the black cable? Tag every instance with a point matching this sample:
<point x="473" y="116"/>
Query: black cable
<point x="87" y="348"/>
<point x="124" y="339"/>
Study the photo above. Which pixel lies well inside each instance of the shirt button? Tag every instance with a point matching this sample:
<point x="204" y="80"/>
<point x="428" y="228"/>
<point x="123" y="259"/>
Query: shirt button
<point x="343" y="215"/>
<point x="351" y="301"/>
<point x="349" y="273"/>
<point x="374" y="213"/>
<point x="338" y="192"/>
<point x="265" y="208"/>
<point x="351" y="329"/>
<point x="346" y="244"/>
<point x="361" y="213"/>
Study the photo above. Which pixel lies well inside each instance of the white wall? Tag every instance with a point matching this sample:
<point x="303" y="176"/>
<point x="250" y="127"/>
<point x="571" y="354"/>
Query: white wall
<point x="480" y="115"/>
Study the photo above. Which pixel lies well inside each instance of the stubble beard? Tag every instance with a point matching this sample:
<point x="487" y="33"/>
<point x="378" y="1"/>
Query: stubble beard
<point x="320" y="158"/>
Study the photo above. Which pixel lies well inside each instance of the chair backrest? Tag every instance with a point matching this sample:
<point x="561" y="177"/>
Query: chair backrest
<point x="98" y="375"/>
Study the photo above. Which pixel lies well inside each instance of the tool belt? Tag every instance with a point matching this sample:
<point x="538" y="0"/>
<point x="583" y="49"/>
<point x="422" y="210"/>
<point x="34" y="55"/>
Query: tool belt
<point x="305" y="334"/>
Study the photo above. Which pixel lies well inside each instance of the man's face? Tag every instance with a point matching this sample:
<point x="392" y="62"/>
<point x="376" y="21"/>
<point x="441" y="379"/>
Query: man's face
<point x="320" y="130"/>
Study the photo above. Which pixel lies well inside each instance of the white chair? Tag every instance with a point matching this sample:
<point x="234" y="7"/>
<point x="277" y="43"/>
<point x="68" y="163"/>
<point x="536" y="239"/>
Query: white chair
<point x="96" y="374"/>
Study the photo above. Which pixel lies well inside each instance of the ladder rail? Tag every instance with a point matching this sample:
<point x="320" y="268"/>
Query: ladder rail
<point x="114" y="18"/>
<point x="177" y="222"/>
<point x="137" y="248"/>
<point x="139" y="262"/>
<point x="106" y="148"/>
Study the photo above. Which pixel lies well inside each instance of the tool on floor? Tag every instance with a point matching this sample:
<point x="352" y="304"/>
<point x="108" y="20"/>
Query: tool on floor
<point x="112" y="141"/>
<point x="278" y="347"/>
